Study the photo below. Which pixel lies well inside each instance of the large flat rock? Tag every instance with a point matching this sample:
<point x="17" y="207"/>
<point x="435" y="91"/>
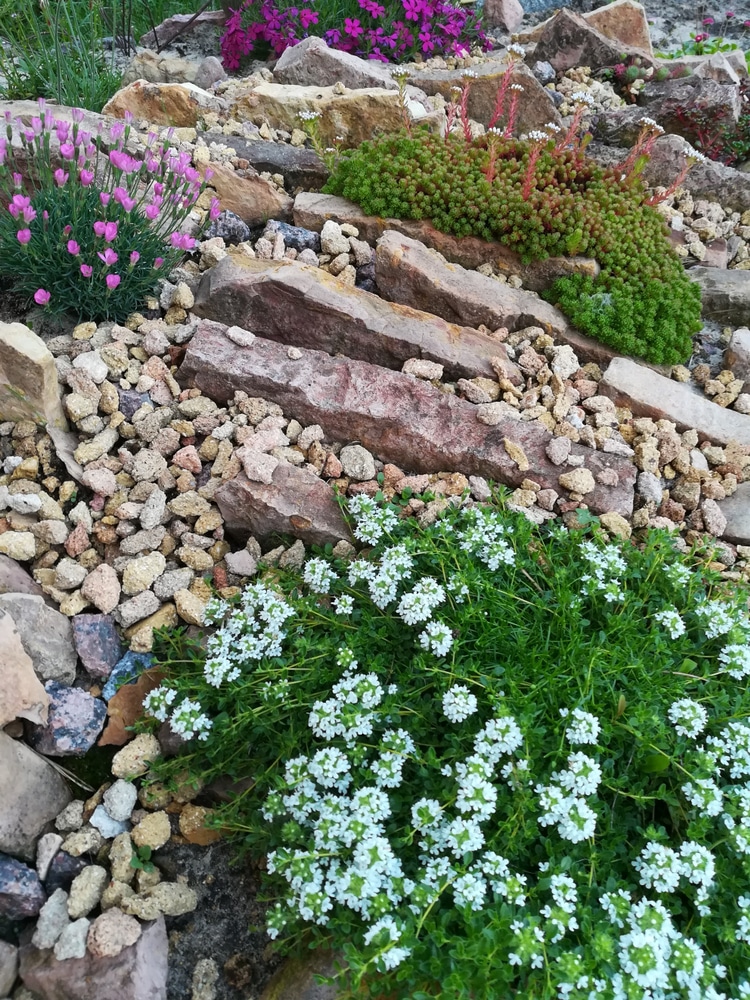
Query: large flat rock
<point x="399" y="418"/>
<point x="736" y="509"/>
<point x="624" y="21"/>
<point x="300" y="167"/>
<point x="649" y="394"/>
<point x="312" y="210"/>
<point x="28" y="378"/>
<point x="568" y="40"/>
<point x="302" y="306"/>
<point x="32" y="793"/>
<point x="406" y="271"/>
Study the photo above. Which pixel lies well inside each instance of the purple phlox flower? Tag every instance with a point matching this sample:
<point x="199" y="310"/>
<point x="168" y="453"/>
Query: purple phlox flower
<point x="181" y="241"/>
<point x="87" y="270"/>
<point x="307" y="17"/>
<point x="425" y="37"/>
<point x="24" y="236"/>
<point x="42" y="296"/>
<point x="113" y="280"/>
<point x="413" y="9"/>
<point x="61" y="177"/>
<point x="373" y="8"/>
<point x="86" y="177"/>
<point x="352" y="27"/>
<point x="73" y="248"/>
<point x="333" y="36"/>
<point x="109" y="256"/>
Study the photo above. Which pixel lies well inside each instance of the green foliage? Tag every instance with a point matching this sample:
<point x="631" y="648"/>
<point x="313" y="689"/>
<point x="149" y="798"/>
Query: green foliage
<point x="141" y="859"/>
<point x="54" y="50"/>
<point x="410" y="719"/>
<point x="641" y="303"/>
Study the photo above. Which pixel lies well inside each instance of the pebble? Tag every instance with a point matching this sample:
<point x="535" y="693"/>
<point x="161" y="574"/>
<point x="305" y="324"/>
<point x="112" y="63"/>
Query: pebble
<point x="140" y="574"/>
<point x="107" y="827"/>
<point x="153" y="831"/>
<point x="71" y="818"/>
<point x="97" y="643"/>
<point x="21" y="892"/>
<point x="111" y="932"/>
<point x="101" y="588"/>
<point x="85" y="841"/>
<point x="578" y="481"/>
<point x="120" y="855"/>
<point x="86" y="891"/>
<point x="119" y="800"/>
<point x="357" y="463"/>
<point x="46" y="849"/>
<point x="141" y="606"/>
<point x="75" y="720"/>
<point x="133" y="760"/>
<point x="72" y="941"/>
<point x="173" y="898"/>
<point x="52" y="920"/>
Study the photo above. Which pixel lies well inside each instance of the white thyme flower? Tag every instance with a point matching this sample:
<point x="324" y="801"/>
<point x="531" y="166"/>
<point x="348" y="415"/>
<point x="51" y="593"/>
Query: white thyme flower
<point x="688" y="717"/>
<point x="584" y="727"/>
<point x="735" y="659"/>
<point x="459" y="703"/>
<point x="672" y="622"/>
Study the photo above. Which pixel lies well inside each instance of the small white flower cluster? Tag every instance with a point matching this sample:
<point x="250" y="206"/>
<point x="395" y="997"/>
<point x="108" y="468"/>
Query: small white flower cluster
<point x="459" y="703"/>
<point x="679" y="574"/>
<point x="482" y="533"/>
<point x="437" y="638"/>
<point x="584" y="727"/>
<point x="650" y="123"/>
<point x="517" y="50"/>
<point x="308" y="116"/>
<point x="563" y="800"/>
<point x="671" y="620"/>
<point x="735" y="659"/>
<point x="187" y="719"/>
<point x="318" y="575"/>
<point x="693" y="155"/>
<point x="371" y="520"/>
<point x="417" y="606"/>
<point x="718" y="618"/>
<point x="688" y="717"/>
<point x="731" y="749"/>
<point x="661" y="868"/>
<point x="536" y="135"/>
<point x="606" y="564"/>
<point x="250" y="633"/>
<point x="737" y="822"/>
<point x="383" y="577"/>
<point x="351" y="711"/>
<point x="582" y="97"/>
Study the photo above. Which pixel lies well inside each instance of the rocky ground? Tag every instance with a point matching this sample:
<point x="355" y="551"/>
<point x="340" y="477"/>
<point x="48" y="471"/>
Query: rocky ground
<point x="147" y="463"/>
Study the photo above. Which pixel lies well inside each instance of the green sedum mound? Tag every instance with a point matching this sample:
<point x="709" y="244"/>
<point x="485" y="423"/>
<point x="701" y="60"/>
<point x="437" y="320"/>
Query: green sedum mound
<point x="642" y="303"/>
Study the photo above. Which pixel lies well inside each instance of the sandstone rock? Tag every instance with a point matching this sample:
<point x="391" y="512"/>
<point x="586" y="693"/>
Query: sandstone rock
<point x="354" y="115"/>
<point x="400" y="419"/>
<point x="18" y="545"/>
<point x="300" y="305"/>
<point x="45" y="634"/>
<point x="15" y="580"/>
<point x="140" y="574"/>
<point x="75" y="721"/>
<point x="193" y="826"/>
<point x="577" y="481"/>
<point x="535" y="105"/>
<point x="86" y="891"/>
<point x="737" y="356"/>
<point x="172" y="898"/>
<point x="569" y="40"/>
<point x="409" y="273"/>
<point x="28" y="378"/>
<point x="504" y="14"/>
<point x="138" y="972"/>
<point x="174" y="104"/>
<point x="179" y="25"/>
<point x="312" y="63"/>
<point x="250" y="196"/>
<point x="119" y="799"/>
<point x="32" y="793"/>
<point x="736" y="511"/>
<point x="125" y="708"/>
<point x="102" y="588"/>
<point x="21" y="692"/>
<point x="649" y="394"/>
<point x="725" y="295"/>
<point x="311" y="210"/>
<point x="624" y="21"/>
<point x="141" y="606"/>
<point x="153" y="831"/>
<point x="295" y="502"/>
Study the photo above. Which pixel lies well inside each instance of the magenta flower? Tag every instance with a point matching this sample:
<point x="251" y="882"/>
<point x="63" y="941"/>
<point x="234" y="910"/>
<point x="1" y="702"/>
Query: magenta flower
<point x="104" y="198"/>
<point x="109" y="256"/>
<point x="708" y="20"/>
<point x="67" y="150"/>
<point x="151" y="212"/>
<point x="352" y="27"/>
<point x="181" y="241"/>
<point x="158" y="261"/>
<point x="86" y="177"/>
<point x="134" y="257"/>
<point x="307" y="17"/>
<point x="42" y="297"/>
<point x="77" y="115"/>
<point x="23" y="236"/>
<point x="121" y="161"/>
<point x="729" y="13"/>
<point x="106" y="229"/>
<point x="17" y="181"/>
<point x="158" y="188"/>
<point x="113" y="280"/>
<point x="86" y="270"/>
<point x="60" y="177"/>
<point x="215" y="209"/>
<point x="73" y="248"/>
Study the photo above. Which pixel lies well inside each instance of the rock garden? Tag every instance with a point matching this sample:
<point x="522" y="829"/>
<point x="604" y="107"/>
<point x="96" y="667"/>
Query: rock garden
<point x="374" y="502"/>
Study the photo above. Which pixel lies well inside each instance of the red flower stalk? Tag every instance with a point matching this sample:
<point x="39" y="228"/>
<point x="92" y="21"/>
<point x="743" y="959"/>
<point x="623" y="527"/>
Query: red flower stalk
<point x="517" y="90"/>
<point x="539" y="140"/>
<point x="692" y="156"/>
<point x="464" y="107"/>
<point x="582" y="100"/>
<point x="648" y="135"/>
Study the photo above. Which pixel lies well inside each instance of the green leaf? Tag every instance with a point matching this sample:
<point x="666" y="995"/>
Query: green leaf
<point x="654" y="763"/>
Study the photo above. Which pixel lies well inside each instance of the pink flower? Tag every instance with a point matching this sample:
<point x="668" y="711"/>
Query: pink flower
<point x="109" y="256"/>
<point x="215" y="210"/>
<point x="23" y="236"/>
<point x="708" y="20"/>
<point x="17" y="181"/>
<point x="121" y="161"/>
<point x="729" y="13"/>
<point x="104" y="198"/>
<point x="73" y="248"/>
<point x="110" y="231"/>
<point x="134" y="257"/>
<point x="86" y="270"/>
<point x="158" y="263"/>
<point x="86" y="177"/>
<point x="307" y="17"/>
<point x="113" y="280"/>
<point x="181" y="241"/>
<point x="158" y="188"/>
<point x="67" y="150"/>
<point x="60" y="177"/>
<point x="151" y="212"/>
<point x="77" y="115"/>
<point x="41" y="297"/>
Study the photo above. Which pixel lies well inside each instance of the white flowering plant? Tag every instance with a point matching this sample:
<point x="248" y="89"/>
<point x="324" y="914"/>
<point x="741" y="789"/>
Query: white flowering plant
<point x="490" y="759"/>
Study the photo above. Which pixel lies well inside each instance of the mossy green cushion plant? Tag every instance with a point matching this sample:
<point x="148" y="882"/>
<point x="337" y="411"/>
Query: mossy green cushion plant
<point x="542" y="198"/>
<point x="490" y="760"/>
